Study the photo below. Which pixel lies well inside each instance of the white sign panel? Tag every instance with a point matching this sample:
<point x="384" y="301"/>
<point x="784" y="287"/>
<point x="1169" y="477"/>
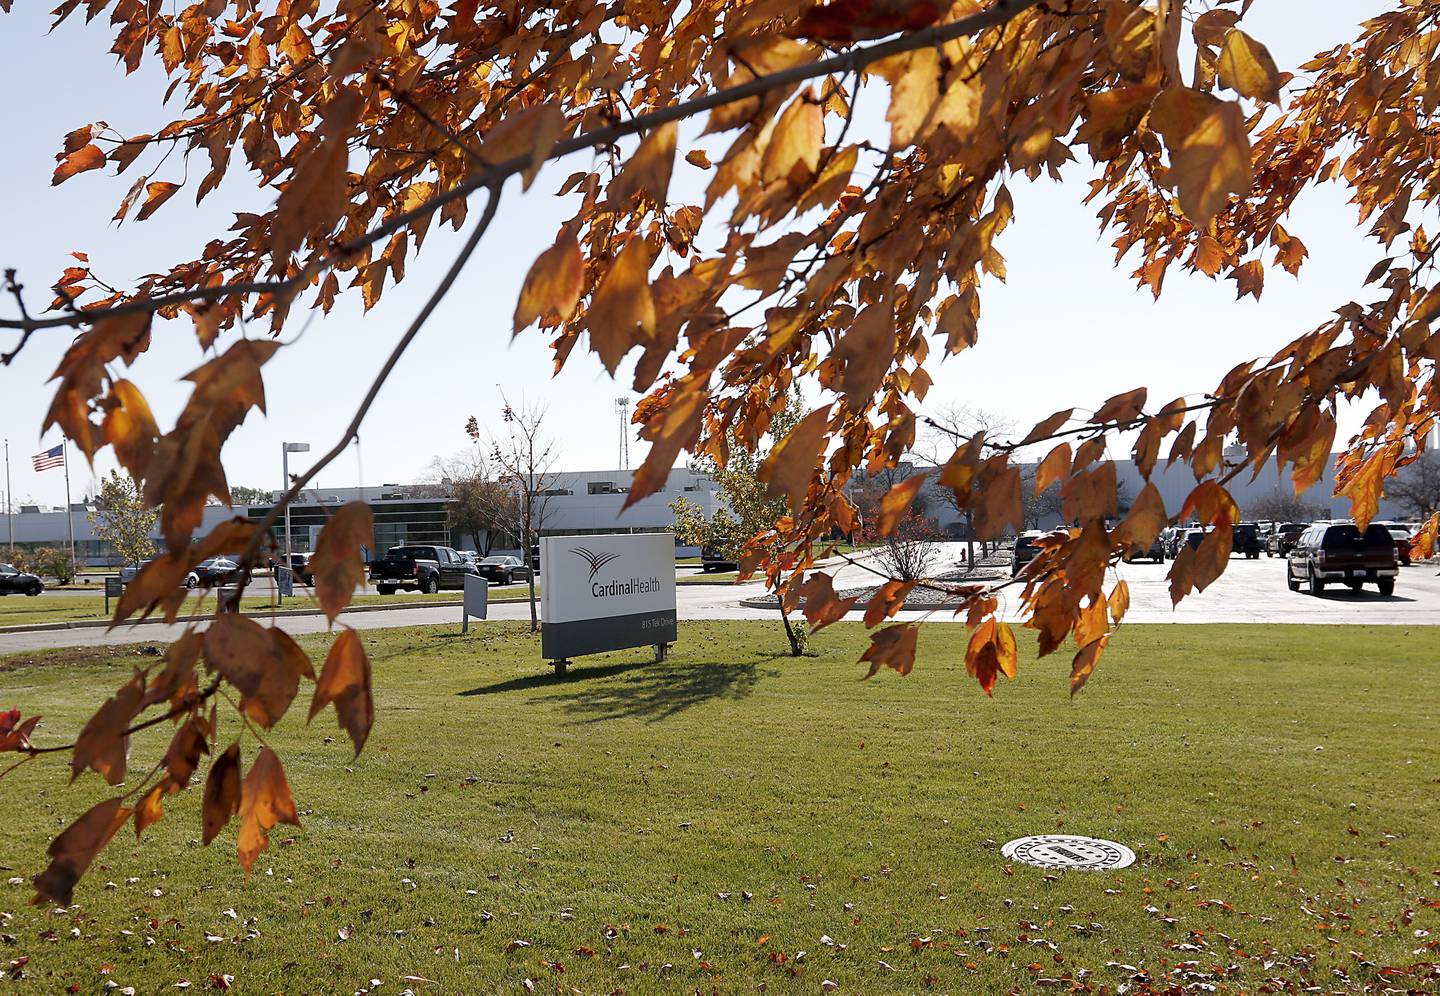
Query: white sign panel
<point x="606" y="592"/>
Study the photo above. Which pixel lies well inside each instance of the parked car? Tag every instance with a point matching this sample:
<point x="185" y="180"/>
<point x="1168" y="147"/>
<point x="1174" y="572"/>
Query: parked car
<point x="502" y="570"/>
<point x="1246" y="540"/>
<point x="128" y="572"/>
<point x="713" y="559"/>
<point x="1403" y="539"/>
<point x="1194" y="537"/>
<point x="1025" y="550"/>
<point x="1155" y="551"/>
<point x="1282" y="538"/>
<point x="423" y="568"/>
<point x="1339" y="552"/>
<point x="300" y="568"/>
<point x="217" y="572"/>
<point x="1171" y="539"/>
<point x="14" y="581"/>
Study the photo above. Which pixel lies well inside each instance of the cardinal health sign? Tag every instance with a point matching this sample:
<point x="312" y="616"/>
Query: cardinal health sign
<point x="606" y="593"/>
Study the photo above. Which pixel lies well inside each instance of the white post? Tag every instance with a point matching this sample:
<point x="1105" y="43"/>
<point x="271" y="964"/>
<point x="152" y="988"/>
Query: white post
<point x="285" y="487"/>
<point x="69" y="513"/>
<point x="285" y="450"/>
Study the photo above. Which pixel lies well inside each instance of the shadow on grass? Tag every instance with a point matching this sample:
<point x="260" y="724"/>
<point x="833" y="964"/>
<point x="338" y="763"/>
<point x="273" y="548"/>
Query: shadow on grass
<point x="640" y="689"/>
<point x="655" y="692"/>
<point x="548" y="679"/>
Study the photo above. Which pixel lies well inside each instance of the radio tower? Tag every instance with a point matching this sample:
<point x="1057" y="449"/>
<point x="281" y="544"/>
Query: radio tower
<point x="622" y="406"/>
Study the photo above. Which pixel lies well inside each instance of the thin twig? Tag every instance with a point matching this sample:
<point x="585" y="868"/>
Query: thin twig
<point x="15" y="289"/>
<point x="186" y="705"/>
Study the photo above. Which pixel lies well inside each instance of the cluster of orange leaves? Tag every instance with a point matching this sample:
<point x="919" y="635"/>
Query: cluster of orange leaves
<point x="854" y="250"/>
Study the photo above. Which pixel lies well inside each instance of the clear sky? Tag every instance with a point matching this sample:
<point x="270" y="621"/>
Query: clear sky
<point x="1069" y="328"/>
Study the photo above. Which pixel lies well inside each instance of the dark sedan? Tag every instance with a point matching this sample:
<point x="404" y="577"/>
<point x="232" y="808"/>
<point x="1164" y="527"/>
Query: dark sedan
<point x="502" y="570"/>
<point x="218" y="572"/>
<point x="14" y="581"/>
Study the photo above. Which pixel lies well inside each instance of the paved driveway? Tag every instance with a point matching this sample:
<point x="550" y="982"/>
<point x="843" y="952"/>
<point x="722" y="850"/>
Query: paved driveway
<point x="1250" y="591"/>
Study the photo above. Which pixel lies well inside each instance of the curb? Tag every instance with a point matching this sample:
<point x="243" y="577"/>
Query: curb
<point x="105" y="623"/>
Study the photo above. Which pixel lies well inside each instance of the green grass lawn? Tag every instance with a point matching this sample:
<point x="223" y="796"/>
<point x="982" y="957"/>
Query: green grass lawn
<point x="697" y="825"/>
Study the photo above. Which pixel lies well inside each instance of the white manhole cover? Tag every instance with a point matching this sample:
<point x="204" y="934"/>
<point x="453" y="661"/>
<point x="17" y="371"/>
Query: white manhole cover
<point x="1063" y="850"/>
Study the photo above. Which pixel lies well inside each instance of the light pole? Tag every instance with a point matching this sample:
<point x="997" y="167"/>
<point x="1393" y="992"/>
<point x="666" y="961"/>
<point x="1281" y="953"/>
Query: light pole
<point x="285" y="450"/>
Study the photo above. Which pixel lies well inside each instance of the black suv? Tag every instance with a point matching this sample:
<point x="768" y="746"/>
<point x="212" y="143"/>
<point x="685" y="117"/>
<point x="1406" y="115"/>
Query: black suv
<point x="1339" y="552"/>
<point x="1246" y="540"/>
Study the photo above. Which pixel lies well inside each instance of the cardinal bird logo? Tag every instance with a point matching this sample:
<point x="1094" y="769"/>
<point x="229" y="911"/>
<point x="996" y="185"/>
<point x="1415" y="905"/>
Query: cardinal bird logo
<point x="595" y="560"/>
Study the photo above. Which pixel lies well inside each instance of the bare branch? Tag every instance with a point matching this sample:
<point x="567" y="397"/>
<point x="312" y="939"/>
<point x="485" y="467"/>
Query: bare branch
<point x="353" y="429"/>
<point x="850" y="61"/>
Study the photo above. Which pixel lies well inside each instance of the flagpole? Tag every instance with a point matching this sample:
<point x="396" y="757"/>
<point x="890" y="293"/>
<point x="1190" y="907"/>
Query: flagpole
<point x="69" y="513"/>
<point x="9" y="501"/>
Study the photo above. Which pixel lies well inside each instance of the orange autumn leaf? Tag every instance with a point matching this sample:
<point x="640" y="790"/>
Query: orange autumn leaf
<point x="554" y="284"/>
<point x="338" y="564"/>
<point x="1247" y="68"/>
<point x="222" y="793"/>
<point x="1209" y="149"/>
<point x="821" y="605"/>
<point x="992" y="651"/>
<point x="85" y="158"/>
<point x="896" y="503"/>
<point x="345" y="682"/>
<point x="156" y="194"/>
<point x="75" y="848"/>
<point x="622" y="312"/>
<point x="1084" y="663"/>
<point x="892" y="647"/>
<point x="791" y="465"/>
<point x="264" y="801"/>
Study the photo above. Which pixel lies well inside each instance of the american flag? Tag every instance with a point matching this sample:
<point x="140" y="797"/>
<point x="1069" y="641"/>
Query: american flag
<point x="50" y="459"/>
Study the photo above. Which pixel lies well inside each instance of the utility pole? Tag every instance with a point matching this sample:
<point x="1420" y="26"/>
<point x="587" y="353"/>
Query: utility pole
<point x="622" y="405"/>
<point x="285" y="450"/>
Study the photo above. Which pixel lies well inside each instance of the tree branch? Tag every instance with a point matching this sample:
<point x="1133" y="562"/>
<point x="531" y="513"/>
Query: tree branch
<point x="850" y="61"/>
<point x="493" y="202"/>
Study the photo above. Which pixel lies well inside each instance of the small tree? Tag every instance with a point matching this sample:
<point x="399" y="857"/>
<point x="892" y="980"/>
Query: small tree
<point x="524" y="461"/>
<point x="52" y="561"/>
<point x="912" y="548"/>
<point x="1417" y="487"/>
<point x="241" y="495"/>
<point x="122" y="519"/>
<point x="749" y="510"/>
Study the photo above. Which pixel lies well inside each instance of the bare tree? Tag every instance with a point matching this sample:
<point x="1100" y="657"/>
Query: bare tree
<point x="524" y="462"/>
<point x="478" y="506"/>
<point x="1283" y="505"/>
<point x="1417" y="487"/>
<point x="950" y="426"/>
<point x="1036" y="507"/>
<point x="911" y="550"/>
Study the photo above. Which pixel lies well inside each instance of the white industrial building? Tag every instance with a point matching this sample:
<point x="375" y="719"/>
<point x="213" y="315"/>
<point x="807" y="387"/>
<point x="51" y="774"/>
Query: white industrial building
<point x="576" y="503"/>
<point x="590" y="502"/>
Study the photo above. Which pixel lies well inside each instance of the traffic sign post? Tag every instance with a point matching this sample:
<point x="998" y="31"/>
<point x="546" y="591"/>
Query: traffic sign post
<point x="477" y="601"/>
<point x="114" y="588"/>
